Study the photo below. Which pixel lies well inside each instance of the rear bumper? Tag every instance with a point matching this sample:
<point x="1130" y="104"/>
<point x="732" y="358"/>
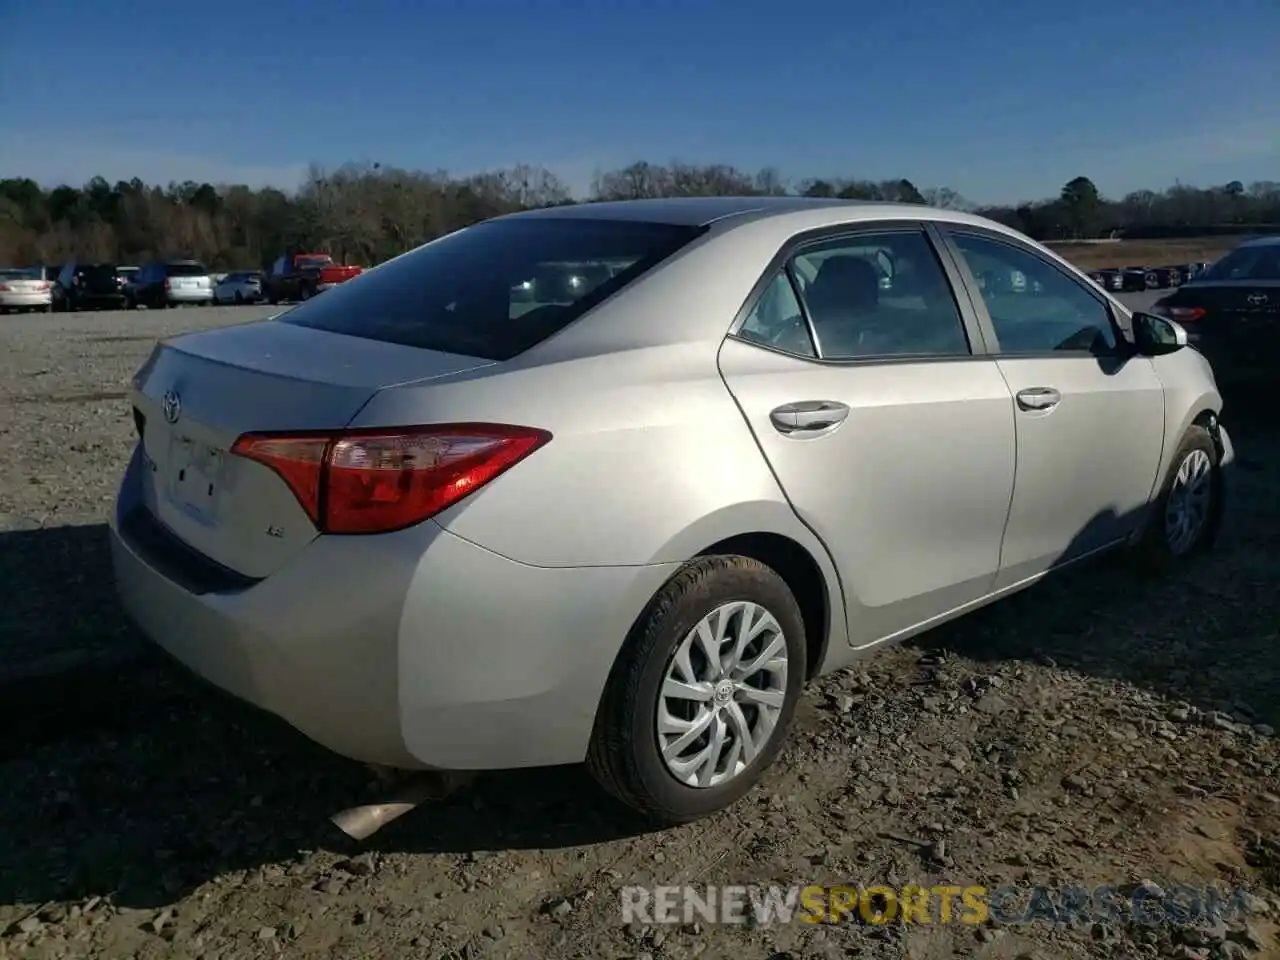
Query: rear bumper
<point x="189" y="296"/>
<point x="416" y="649"/>
<point x="25" y="301"/>
<point x="110" y="301"/>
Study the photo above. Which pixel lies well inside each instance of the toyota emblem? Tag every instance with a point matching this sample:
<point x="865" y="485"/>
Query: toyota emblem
<point x="172" y="406"/>
<point x="1257" y="299"/>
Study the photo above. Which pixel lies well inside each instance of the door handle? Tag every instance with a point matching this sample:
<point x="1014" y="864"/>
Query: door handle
<point x="808" y="416"/>
<point x="1038" y="398"/>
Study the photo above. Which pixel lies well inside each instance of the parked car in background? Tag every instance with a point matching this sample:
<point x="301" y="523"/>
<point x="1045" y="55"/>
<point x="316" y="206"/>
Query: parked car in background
<point x="303" y="275"/>
<point x="244" y="286"/>
<point x="1232" y="312"/>
<point x="23" y="290"/>
<point x="630" y="524"/>
<point x="88" y="286"/>
<point x="172" y="283"/>
<point x="1167" y="277"/>
<point x="1137" y="278"/>
<point x="127" y="275"/>
<point x="1110" y="279"/>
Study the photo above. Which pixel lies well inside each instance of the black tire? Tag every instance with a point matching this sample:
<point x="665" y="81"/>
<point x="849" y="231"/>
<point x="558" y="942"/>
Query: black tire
<point x="305" y="292"/>
<point x="1155" y="552"/>
<point x="623" y="755"/>
<point x="239" y="299"/>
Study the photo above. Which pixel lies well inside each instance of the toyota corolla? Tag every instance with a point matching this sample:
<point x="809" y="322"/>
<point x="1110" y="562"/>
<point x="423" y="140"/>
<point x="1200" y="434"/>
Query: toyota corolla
<point x="611" y="482"/>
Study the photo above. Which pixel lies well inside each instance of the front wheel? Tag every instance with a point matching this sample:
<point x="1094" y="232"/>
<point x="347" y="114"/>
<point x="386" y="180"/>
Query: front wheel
<point x="701" y="698"/>
<point x="1187" y="514"/>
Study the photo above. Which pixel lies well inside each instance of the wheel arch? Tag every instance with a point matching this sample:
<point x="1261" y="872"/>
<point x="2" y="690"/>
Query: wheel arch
<point x="803" y="577"/>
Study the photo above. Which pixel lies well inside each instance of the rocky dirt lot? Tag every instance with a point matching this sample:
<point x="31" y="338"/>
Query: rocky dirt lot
<point x="1104" y="728"/>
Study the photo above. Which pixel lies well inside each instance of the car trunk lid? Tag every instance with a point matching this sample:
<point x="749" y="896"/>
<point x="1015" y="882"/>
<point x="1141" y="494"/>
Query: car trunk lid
<point x="197" y="394"/>
<point x="1243" y="298"/>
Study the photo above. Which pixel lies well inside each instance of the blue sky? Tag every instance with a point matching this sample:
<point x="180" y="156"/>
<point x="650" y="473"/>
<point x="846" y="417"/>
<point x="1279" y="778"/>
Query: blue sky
<point x="1002" y="101"/>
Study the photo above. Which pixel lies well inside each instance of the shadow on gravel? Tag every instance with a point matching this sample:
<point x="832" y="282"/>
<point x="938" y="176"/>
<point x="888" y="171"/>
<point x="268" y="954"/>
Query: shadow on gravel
<point x="58" y="606"/>
<point x="155" y="785"/>
<point x="1208" y="636"/>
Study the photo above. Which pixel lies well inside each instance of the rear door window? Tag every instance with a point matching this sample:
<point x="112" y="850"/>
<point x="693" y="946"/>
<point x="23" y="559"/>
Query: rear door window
<point x="495" y="289"/>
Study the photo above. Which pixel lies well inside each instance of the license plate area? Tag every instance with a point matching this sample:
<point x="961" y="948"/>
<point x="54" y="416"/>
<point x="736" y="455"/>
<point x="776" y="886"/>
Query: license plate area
<point x="195" y="479"/>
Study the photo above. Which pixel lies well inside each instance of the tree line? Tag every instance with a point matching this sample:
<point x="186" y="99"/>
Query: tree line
<point x="368" y="213"/>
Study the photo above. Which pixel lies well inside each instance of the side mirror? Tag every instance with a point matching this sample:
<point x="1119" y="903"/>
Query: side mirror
<point x="1154" y="336"/>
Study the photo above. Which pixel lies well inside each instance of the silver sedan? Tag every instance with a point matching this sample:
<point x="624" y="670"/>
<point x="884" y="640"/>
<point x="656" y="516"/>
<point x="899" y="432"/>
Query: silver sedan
<point x="612" y="482"/>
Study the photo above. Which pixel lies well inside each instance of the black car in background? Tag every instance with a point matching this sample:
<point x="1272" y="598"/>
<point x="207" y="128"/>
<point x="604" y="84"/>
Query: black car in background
<point x="88" y="286"/>
<point x="1232" y="312"/>
<point x="1136" y="278"/>
<point x="1109" y="279"/>
<point x="1169" y="276"/>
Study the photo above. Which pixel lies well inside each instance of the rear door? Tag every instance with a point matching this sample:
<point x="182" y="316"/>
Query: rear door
<point x="887" y="427"/>
<point x="1090" y="415"/>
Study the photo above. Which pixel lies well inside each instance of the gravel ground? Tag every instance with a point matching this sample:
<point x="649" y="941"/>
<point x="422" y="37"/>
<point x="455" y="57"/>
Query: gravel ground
<point x="1100" y="728"/>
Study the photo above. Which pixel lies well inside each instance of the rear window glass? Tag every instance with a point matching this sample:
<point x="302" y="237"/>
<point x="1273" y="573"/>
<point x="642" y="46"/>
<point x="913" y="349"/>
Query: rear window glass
<point x="187" y="270"/>
<point x="1247" y="263"/>
<point x="495" y="289"/>
<point x="19" y="274"/>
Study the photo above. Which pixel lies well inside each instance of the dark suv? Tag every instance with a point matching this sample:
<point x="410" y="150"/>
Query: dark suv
<point x="88" y="286"/>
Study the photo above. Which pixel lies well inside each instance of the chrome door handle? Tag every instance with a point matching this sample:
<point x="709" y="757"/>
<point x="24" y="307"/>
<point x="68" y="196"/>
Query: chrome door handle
<point x="808" y="416"/>
<point x="1038" y="398"/>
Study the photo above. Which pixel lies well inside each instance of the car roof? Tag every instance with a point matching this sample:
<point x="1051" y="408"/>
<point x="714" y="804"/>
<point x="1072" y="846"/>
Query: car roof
<point x="685" y="211"/>
<point x="781" y="214"/>
<point x="1271" y="240"/>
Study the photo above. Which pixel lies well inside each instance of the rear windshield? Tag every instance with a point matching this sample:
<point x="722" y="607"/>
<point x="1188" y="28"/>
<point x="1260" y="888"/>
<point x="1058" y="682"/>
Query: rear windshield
<point x="1246" y="263"/>
<point x="187" y="270"/>
<point x="495" y="289"/>
<point x="19" y="274"/>
<point x="98" y="270"/>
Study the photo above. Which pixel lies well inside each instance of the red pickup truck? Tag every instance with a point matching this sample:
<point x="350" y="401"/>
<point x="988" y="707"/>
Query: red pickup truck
<point x="303" y="275"/>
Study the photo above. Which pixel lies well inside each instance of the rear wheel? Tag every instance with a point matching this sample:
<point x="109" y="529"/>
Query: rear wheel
<point x="306" y="293"/>
<point x="239" y="299"/>
<point x="701" y="698"/>
<point x="1187" y="514"/>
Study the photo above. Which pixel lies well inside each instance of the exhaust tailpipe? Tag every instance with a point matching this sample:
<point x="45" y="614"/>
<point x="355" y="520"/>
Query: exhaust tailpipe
<point x="362" y="822"/>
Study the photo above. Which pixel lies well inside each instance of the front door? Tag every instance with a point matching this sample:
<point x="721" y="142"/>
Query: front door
<point x="1089" y="414"/>
<point x="890" y="436"/>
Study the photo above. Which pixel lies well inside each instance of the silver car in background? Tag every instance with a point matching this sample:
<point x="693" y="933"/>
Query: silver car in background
<point x="244" y="286"/>
<point x="611" y="482"/>
<point x="22" y="290"/>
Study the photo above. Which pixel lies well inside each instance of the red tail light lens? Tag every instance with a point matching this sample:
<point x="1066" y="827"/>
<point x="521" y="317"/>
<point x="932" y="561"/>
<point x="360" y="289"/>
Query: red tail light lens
<point x="368" y="481"/>
<point x="1184" y="314"/>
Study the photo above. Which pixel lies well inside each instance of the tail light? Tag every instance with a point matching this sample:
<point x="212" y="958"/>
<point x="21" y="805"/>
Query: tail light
<point x="44" y="285"/>
<point x="1184" y="314"/>
<point x="168" y="284"/>
<point x="4" y="288"/>
<point x="377" y="481"/>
